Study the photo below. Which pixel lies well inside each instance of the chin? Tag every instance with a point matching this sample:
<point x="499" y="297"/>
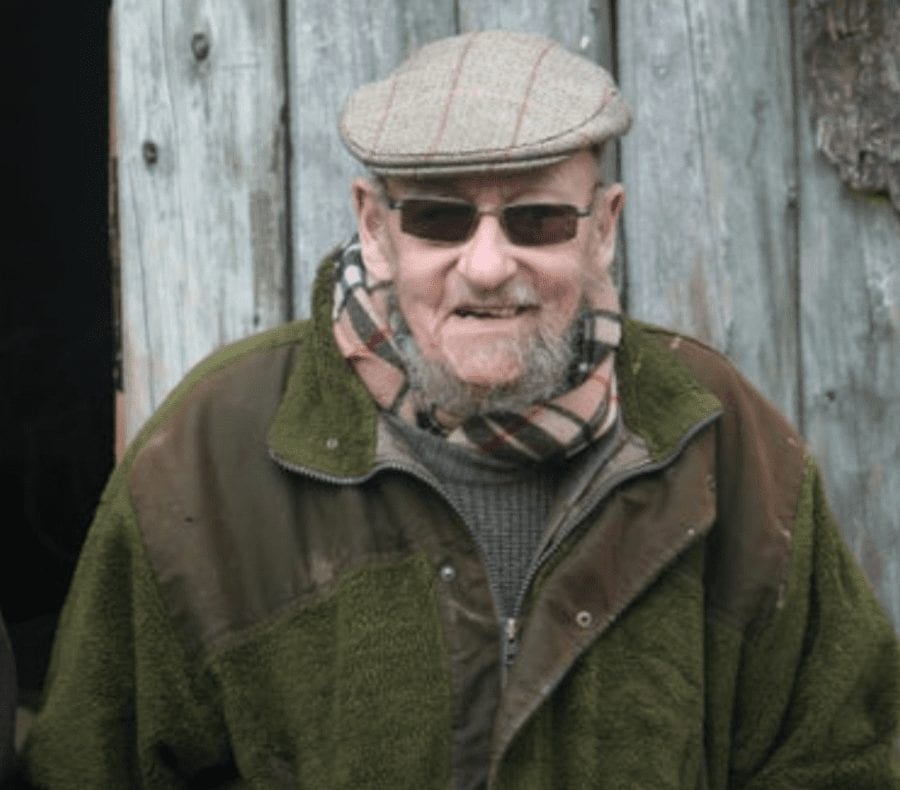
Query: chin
<point x="492" y="365"/>
<point x="539" y="372"/>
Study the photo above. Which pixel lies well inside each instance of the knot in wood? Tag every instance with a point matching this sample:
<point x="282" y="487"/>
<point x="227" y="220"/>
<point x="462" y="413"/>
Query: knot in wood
<point x="200" y="46"/>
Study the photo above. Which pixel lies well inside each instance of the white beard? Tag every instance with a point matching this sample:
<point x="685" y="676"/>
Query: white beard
<point x="546" y="360"/>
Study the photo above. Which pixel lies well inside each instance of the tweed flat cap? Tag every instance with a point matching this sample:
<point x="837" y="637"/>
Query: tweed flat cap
<point x="491" y="100"/>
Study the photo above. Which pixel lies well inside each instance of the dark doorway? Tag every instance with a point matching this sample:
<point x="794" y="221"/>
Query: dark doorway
<point x="56" y="389"/>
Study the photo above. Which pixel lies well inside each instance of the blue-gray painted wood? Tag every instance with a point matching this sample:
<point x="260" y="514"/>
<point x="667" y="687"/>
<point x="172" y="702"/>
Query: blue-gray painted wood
<point x="334" y="46"/>
<point x="200" y="147"/>
<point x="850" y="327"/>
<point x="581" y="26"/>
<point x="710" y="174"/>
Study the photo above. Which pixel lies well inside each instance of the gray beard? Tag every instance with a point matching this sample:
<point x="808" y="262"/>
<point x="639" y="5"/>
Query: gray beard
<point x="546" y="361"/>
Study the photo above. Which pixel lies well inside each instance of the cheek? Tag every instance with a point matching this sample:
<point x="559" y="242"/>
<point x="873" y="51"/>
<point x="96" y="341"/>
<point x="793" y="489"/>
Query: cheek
<point x="419" y="300"/>
<point x="561" y="292"/>
<point x="417" y="292"/>
<point x="429" y="292"/>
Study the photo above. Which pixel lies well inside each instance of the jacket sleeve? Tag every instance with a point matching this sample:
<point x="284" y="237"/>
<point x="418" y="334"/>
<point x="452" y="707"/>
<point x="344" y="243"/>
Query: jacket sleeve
<point x="124" y="706"/>
<point x="819" y="684"/>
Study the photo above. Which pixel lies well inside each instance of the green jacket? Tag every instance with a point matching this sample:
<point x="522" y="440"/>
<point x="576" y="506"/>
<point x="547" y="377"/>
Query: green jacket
<point x="274" y="595"/>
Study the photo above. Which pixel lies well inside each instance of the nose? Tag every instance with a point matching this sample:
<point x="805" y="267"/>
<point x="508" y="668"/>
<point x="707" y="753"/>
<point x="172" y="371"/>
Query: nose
<point x="485" y="260"/>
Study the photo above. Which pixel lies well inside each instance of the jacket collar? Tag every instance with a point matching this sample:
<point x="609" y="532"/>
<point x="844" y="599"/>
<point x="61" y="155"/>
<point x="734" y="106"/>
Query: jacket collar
<point x="327" y="423"/>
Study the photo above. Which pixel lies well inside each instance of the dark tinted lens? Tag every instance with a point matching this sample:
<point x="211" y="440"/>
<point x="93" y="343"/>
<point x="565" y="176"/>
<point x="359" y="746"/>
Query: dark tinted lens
<point x="540" y="223"/>
<point x="437" y="220"/>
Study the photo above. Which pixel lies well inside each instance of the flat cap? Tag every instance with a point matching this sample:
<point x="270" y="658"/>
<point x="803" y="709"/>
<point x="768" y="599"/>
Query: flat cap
<point x="490" y="100"/>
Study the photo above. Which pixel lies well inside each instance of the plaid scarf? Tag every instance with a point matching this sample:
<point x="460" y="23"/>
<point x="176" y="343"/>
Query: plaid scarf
<point x="554" y="429"/>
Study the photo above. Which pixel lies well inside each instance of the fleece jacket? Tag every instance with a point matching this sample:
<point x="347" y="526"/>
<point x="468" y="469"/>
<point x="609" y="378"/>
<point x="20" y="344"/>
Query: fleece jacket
<point x="274" y="594"/>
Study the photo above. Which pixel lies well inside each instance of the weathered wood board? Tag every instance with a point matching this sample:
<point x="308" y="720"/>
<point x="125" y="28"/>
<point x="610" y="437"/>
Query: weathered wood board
<point x="710" y="176"/>
<point x="201" y="151"/>
<point x="335" y="46"/>
<point x="584" y="27"/>
<point x="849" y="256"/>
<point x="851" y="59"/>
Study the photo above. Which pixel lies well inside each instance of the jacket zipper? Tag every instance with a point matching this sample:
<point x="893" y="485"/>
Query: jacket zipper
<point x="510" y="646"/>
<point x="509" y="626"/>
<point x="574" y="521"/>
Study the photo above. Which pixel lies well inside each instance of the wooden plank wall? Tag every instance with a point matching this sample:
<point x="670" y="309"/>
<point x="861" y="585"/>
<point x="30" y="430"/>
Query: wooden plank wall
<point x="710" y="173"/>
<point x="735" y="229"/>
<point x="202" y="182"/>
<point x="848" y="261"/>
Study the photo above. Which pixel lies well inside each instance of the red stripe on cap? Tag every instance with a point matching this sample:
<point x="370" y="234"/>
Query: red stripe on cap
<point x="457" y="71"/>
<point x="383" y="122"/>
<point x="532" y="78"/>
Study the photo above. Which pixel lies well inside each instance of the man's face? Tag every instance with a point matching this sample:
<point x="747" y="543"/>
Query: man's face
<point x="477" y="307"/>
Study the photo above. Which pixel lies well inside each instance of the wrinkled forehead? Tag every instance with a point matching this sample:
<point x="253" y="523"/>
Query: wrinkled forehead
<point x="562" y="179"/>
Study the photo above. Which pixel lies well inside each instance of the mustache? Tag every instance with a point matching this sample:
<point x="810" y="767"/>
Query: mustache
<point x="510" y="294"/>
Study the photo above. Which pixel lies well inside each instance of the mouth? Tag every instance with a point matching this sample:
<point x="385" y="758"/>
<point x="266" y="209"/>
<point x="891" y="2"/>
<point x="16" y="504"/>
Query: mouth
<point x="491" y="312"/>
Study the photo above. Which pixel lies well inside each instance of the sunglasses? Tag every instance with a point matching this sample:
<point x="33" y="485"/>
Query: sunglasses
<point x="452" y="220"/>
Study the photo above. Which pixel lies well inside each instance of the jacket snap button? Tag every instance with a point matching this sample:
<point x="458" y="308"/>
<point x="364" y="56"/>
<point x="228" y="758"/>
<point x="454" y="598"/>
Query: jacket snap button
<point x="584" y="619"/>
<point x="331" y="443"/>
<point x="448" y="572"/>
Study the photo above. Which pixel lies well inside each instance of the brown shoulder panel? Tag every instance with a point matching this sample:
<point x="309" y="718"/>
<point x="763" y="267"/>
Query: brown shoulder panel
<point x="760" y="468"/>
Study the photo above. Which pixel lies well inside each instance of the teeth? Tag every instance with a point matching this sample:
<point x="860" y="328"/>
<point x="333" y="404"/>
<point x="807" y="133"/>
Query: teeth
<point x="495" y="312"/>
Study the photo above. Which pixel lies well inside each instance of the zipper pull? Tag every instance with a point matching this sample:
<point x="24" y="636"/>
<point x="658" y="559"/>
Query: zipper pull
<point x="510" y="633"/>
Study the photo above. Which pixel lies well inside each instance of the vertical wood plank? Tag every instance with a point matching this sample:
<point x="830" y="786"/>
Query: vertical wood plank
<point x="582" y="26"/>
<point x="709" y="171"/>
<point x="850" y="327"/>
<point x="334" y="46"/>
<point x="120" y="432"/>
<point x="201" y="184"/>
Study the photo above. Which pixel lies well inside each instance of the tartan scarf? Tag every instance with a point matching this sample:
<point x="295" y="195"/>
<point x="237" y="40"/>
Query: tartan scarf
<point x="554" y="429"/>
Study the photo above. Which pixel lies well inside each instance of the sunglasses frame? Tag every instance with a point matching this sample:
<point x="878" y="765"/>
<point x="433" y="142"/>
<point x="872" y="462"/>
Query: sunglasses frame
<point x="499" y="212"/>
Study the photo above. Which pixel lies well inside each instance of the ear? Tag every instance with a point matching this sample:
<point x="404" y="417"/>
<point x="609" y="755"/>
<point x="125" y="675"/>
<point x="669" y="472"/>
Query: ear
<point x="371" y="223"/>
<point x="611" y="203"/>
<point x="613" y="200"/>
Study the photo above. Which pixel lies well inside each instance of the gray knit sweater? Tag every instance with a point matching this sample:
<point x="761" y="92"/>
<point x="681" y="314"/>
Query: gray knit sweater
<point x="505" y="506"/>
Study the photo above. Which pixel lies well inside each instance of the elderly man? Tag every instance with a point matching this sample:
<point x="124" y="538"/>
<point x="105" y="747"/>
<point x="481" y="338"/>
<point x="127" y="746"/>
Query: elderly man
<point x="469" y="526"/>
